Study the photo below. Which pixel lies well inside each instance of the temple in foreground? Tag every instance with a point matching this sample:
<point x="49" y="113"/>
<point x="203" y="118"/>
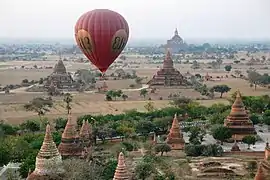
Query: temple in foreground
<point x="175" y="137"/>
<point x="168" y="75"/>
<point x="121" y="172"/>
<point x="49" y="165"/>
<point x="70" y="145"/>
<point x="238" y="120"/>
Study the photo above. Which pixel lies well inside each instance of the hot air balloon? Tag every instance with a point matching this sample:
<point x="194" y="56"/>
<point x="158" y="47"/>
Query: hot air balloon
<point x="102" y="35"/>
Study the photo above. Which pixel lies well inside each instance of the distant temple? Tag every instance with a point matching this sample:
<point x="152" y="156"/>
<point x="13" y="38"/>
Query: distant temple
<point x="168" y="75"/>
<point x="49" y="163"/>
<point x="121" y="172"/>
<point x="70" y="145"/>
<point x="176" y="43"/>
<point x="238" y="120"/>
<point x="60" y="78"/>
<point x="175" y="137"/>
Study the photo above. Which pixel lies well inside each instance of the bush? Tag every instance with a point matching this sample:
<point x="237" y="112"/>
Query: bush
<point x="30" y="125"/>
<point x="8" y="129"/>
<point x="130" y="146"/>
<point x="203" y="150"/>
<point x="60" y="123"/>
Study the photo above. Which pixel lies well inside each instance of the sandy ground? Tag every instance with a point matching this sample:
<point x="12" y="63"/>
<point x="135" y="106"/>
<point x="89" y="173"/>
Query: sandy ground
<point x="11" y="105"/>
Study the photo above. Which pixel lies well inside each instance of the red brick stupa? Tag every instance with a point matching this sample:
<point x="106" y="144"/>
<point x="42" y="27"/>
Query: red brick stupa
<point x="238" y="120"/>
<point x="168" y="75"/>
<point x="175" y="137"/>
<point x="85" y="133"/>
<point x="49" y="164"/>
<point x="70" y="145"/>
<point x="121" y="172"/>
<point x="260" y="175"/>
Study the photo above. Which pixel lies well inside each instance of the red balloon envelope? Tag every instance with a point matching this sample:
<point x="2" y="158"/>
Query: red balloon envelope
<point x="102" y="35"/>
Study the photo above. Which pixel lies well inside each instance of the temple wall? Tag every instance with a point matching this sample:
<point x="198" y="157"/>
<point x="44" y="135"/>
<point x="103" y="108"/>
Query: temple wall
<point x="253" y="154"/>
<point x="177" y="146"/>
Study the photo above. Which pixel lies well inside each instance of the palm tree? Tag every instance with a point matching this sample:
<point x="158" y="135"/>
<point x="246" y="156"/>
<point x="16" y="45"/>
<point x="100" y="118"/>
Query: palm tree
<point x="68" y="99"/>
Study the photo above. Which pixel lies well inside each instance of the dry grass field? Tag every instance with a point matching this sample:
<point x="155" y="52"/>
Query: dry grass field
<point x="11" y="105"/>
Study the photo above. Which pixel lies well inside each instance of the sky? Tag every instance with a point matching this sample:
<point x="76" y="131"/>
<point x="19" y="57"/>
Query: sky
<point x="148" y="19"/>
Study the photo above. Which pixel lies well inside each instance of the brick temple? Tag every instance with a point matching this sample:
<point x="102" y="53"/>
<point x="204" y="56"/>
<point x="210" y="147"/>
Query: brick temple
<point x="238" y="120"/>
<point x="121" y="172"/>
<point x="70" y="145"/>
<point x="168" y="75"/>
<point x="175" y="137"/>
<point x="49" y="165"/>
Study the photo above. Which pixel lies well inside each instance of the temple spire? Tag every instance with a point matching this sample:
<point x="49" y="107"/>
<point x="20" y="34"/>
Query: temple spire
<point x="48" y="160"/>
<point x="176" y="32"/>
<point x="121" y="170"/>
<point x="175" y="137"/>
<point x="168" y="62"/>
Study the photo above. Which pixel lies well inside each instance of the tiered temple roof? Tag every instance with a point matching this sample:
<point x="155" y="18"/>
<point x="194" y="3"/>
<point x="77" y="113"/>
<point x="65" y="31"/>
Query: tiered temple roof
<point x="60" y="77"/>
<point x="175" y="137"/>
<point x="70" y="145"/>
<point x="121" y="172"/>
<point x="168" y="75"/>
<point x="238" y="120"/>
<point x="48" y="161"/>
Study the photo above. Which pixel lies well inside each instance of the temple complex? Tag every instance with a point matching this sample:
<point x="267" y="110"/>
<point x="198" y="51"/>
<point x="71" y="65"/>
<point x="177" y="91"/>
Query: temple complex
<point x="175" y="137"/>
<point x="49" y="165"/>
<point x="60" y="78"/>
<point x="121" y="172"/>
<point x="176" y="43"/>
<point x="168" y="75"/>
<point x="238" y="120"/>
<point x="70" y="145"/>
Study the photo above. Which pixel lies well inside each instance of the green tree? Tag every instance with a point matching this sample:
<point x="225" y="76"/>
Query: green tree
<point x="60" y="123"/>
<point x="143" y="92"/>
<point x="28" y="163"/>
<point x="40" y="106"/>
<point x="145" y="127"/>
<point x="68" y="99"/>
<point x="221" y="133"/>
<point x="31" y="125"/>
<point x="249" y="140"/>
<point x="143" y="170"/>
<point x="161" y="148"/>
<point x="4" y="152"/>
<point x="221" y="89"/>
<point x="196" y="135"/>
<point x="181" y="102"/>
<point x="124" y="97"/>
<point x="228" y="68"/>
<point x="254" y="78"/>
<point x="109" y="169"/>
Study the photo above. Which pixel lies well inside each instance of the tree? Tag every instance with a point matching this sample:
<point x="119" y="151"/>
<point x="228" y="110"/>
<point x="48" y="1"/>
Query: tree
<point x="149" y="106"/>
<point x="143" y="170"/>
<point x="196" y="135"/>
<point x="40" y="106"/>
<point x="161" y="148"/>
<point x="228" y="68"/>
<point x="145" y="127"/>
<point x="221" y="89"/>
<point x="181" y="102"/>
<point x="254" y="78"/>
<point x="138" y="80"/>
<point x="143" y="92"/>
<point x="221" y="133"/>
<point x="68" y="99"/>
<point x="32" y="126"/>
<point x="249" y="140"/>
<point x="124" y="97"/>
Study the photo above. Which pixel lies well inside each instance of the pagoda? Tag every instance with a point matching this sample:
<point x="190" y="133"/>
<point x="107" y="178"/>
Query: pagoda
<point x="176" y="43"/>
<point x="175" y="137"/>
<point x="121" y="172"/>
<point x="60" y="78"/>
<point x="235" y="146"/>
<point x="49" y="165"/>
<point x="70" y="145"/>
<point x="85" y="134"/>
<point x="238" y="120"/>
<point x="168" y="75"/>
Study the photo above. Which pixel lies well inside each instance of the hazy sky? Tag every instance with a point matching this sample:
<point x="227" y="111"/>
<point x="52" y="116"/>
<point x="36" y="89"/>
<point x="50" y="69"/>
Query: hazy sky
<point x="204" y="19"/>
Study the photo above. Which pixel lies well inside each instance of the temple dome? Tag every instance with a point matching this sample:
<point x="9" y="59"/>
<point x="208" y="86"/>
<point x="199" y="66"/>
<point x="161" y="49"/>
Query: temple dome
<point x="60" y="67"/>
